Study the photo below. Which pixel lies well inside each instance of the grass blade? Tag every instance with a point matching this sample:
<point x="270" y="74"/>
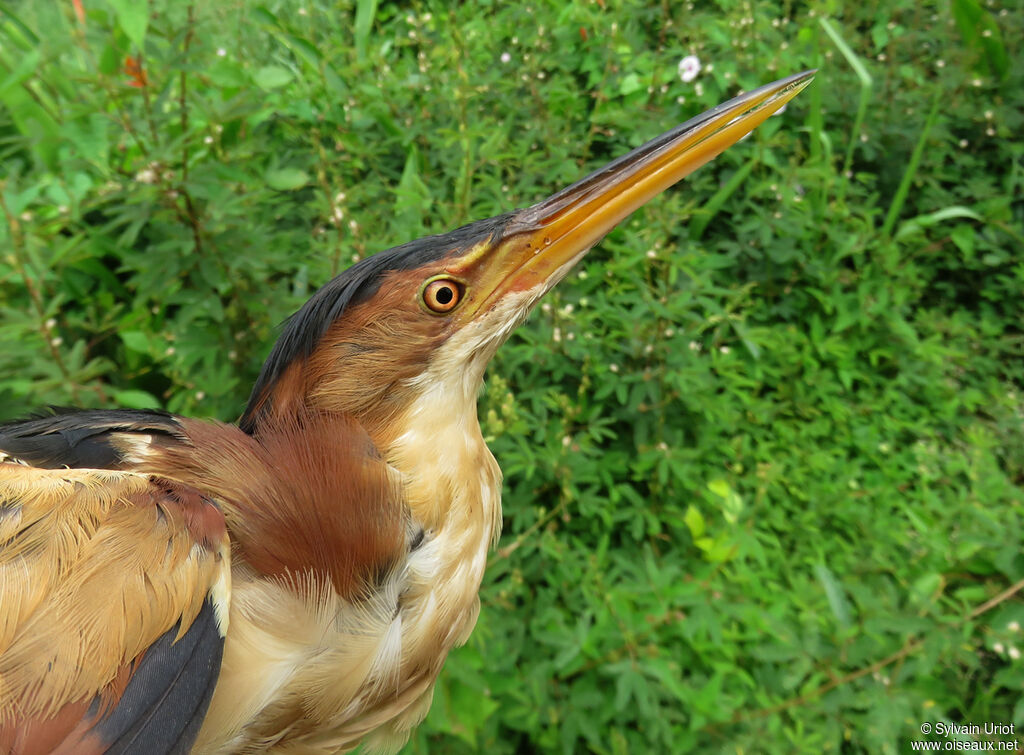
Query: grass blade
<point x="908" y="175"/>
<point x="365" y="12"/>
<point x="865" y="92"/>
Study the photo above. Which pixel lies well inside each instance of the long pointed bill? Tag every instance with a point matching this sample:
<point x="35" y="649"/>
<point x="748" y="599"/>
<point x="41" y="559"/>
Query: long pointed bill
<point x="542" y="242"/>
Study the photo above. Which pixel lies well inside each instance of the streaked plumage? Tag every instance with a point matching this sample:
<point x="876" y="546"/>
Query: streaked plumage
<point x="317" y="562"/>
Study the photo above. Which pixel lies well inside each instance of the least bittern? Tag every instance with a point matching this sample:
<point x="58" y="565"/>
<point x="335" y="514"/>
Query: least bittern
<point x="294" y="583"/>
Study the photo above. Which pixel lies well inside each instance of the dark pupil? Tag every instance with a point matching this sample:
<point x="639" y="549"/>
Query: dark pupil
<point x="444" y="295"/>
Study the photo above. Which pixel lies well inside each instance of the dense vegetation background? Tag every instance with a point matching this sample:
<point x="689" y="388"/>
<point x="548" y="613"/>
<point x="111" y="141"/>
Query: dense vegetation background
<point x="764" y="453"/>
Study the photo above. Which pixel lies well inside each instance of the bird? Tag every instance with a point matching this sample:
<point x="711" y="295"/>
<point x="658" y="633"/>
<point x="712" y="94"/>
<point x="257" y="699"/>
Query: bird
<point x="293" y="582"/>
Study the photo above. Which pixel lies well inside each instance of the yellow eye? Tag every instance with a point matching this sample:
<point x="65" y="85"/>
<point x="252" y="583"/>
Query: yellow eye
<point x="442" y="295"/>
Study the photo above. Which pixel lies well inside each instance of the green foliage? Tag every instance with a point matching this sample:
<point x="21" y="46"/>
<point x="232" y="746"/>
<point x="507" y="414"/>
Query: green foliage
<point x="764" y="451"/>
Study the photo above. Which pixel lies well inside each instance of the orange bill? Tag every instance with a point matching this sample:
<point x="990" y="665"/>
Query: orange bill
<point x="542" y="242"/>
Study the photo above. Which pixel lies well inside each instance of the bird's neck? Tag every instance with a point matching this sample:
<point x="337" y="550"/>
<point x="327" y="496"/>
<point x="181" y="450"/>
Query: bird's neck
<point x="452" y="487"/>
<point x="451" y="479"/>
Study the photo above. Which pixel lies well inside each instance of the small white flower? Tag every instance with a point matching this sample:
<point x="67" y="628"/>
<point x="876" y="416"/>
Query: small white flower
<point x="940" y="63"/>
<point x="613" y="367"/>
<point x="221" y="52"/>
<point x="200" y="395"/>
<point x="302" y="11"/>
<point x="725" y="349"/>
<point x="694" y="346"/>
<point x="998" y="647"/>
<point x="208" y="140"/>
<point x="963" y="144"/>
<point x="689" y="67"/>
<point x="1013" y="626"/>
<point x="505" y="57"/>
<point x="146" y="176"/>
<point x="651" y="254"/>
<point x="1013" y="652"/>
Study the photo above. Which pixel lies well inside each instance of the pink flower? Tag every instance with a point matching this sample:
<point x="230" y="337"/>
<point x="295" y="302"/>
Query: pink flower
<point x="689" y="67"/>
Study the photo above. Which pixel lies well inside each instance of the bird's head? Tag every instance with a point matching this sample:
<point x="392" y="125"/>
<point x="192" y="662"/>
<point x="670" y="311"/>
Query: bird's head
<point x="428" y="316"/>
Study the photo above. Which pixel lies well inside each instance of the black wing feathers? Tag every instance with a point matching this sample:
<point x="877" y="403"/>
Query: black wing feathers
<point x="82" y="439"/>
<point x="166" y="699"/>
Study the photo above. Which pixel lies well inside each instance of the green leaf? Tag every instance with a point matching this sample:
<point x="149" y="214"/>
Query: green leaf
<point x="834" y="594"/>
<point x="629" y="84"/>
<point x="694" y="521"/>
<point x="134" y="399"/>
<point x="133" y="18"/>
<point x="25" y="68"/>
<point x="137" y="341"/>
<point x="286" y="179"/>
<point x="909" y="227"/>
<point x="412" y="196"/>
<point x="732" y="503"/>
<point x="720" y="488"/>
<point x="981" y="32"/>
<point x="272" y="77"/>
